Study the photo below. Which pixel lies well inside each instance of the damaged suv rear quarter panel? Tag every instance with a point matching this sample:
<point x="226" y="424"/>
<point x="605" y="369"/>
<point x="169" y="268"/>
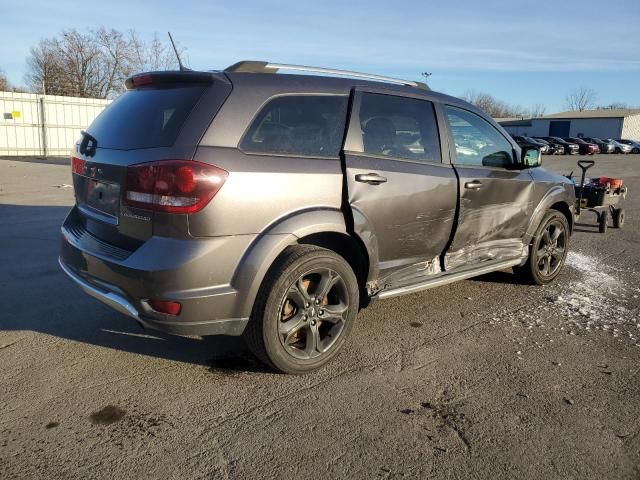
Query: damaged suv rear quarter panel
<point x="282" y="197"/>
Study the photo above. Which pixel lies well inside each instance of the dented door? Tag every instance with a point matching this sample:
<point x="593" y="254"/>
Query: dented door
<point x="495" y="208"/>
<point x="401" y="195"/>
<point x="496" y="196"/>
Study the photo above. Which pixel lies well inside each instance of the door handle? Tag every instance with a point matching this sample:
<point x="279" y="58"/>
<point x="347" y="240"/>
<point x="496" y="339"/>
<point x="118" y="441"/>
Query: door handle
<point x="474" y="185"/>
<point x="370" y="178"/>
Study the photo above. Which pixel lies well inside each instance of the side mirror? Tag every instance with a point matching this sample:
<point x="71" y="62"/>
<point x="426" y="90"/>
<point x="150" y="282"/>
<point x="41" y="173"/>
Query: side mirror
<point x="531" y="157"/>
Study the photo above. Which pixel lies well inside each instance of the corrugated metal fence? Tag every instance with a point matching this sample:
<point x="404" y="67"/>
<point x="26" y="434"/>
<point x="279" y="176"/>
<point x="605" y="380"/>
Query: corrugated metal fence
<point x="44" y="125"/>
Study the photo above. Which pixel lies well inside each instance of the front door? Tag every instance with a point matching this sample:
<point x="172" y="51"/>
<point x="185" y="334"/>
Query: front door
<point x="401" y="194"/>
<point x="495" y="199"/>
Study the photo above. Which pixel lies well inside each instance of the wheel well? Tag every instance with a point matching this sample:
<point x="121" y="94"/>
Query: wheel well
<point x="351" y="249"/>
<point x="564" y="209"/>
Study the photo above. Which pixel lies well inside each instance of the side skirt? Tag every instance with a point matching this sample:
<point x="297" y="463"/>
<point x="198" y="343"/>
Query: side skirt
<point x="447" y="278"/>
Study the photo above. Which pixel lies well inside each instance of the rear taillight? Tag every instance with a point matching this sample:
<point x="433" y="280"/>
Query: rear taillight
<point x="77" y="165"/>
<point x="173" y="186"/>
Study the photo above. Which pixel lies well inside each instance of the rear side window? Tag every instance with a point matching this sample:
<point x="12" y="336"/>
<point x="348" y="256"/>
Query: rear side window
<point x="310" y="125"/>
<point x="399" y="127"/>
<point x="145" y="118"/>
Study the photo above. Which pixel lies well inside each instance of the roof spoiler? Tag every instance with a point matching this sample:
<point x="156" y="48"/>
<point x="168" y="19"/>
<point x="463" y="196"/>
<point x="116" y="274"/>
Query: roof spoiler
<point x="149" y="79"/>
<point x="256" y="66"/>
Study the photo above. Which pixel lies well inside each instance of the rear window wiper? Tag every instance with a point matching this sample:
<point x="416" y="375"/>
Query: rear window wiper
<point x="88" y="145"/>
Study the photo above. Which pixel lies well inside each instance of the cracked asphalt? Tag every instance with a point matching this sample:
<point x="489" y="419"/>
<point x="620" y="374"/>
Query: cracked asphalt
<point x="484" y="378"/>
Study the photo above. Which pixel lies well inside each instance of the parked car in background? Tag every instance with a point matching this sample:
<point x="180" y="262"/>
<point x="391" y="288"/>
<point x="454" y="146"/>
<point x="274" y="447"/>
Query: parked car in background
<point x="244" y="202"/>
<point x="566" y="147"/>
<point x="605" y="147"/>
<point x="553" y="148"/>
<point x="619" y="146"/>
<point x="635" y="146"/>
<point x="527" y="141"/>
<point x="586" y="148"/>
<point x="558" y="148"/>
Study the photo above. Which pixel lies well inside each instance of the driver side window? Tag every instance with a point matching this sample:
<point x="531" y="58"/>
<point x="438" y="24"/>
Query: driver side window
<point x="477" y="142"/>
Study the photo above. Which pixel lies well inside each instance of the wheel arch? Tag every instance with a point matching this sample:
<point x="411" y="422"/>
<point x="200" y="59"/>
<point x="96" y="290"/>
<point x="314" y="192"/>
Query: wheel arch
<point x="557" y="198"/>
<point x="321" y="227"/>
<point x="349" y="247"/>
<point x="563" y="208"/>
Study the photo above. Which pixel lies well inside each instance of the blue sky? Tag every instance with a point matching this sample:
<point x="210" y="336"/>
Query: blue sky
<point x="522" y="52"/>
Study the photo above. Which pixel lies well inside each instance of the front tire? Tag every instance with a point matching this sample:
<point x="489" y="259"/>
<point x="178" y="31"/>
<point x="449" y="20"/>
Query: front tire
<point x="304" y="311"/>
<point x="548" y="250"/>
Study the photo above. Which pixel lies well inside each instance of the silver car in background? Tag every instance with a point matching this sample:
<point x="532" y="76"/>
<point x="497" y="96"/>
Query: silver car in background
<point x="635" y="146"/>
<point x="619" y="147"/>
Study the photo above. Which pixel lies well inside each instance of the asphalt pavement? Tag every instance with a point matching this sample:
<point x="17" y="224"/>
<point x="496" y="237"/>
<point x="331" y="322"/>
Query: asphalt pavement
<point x="485" y="378"/>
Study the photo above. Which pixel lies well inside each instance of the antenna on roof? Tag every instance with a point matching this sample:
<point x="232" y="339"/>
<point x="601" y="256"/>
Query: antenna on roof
<point x="182" y="67"/>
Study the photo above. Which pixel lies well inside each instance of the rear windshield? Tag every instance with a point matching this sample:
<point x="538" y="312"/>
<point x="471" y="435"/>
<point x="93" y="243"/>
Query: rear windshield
<point x="145" y="118"/>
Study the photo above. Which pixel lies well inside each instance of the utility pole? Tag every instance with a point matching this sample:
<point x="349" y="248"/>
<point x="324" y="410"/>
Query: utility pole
<point x="43" y="120"/>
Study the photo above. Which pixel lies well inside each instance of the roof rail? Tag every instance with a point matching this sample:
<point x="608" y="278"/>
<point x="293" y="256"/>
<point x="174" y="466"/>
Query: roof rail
<point x="254" y="66"/>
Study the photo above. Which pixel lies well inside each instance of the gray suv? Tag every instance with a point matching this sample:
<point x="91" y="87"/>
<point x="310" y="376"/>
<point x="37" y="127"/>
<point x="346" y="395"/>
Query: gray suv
<point x="245" y="202"/>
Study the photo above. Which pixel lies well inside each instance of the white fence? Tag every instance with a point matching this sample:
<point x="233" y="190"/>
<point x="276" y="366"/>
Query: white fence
<point x="44" y="125"/>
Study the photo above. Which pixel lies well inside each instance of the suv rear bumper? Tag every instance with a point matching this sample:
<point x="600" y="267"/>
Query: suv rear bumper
<point x="196" y="273"/>
<point x="231" y="326"/>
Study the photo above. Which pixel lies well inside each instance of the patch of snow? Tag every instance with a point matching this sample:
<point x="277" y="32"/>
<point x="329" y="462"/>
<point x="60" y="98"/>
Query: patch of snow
<point x="595" y="302"/>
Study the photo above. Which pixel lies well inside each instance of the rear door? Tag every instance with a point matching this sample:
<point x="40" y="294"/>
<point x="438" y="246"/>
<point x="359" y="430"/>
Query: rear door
<point x="401" y="194"/>
<point x="495" y="198"/>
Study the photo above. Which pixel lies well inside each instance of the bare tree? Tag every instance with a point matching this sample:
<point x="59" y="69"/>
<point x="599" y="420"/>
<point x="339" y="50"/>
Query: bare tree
<point x="43" y="68"/>
<point x="493" y="106"/>
<point x="7" y="86"/>
<point x="154" y="55"/>
<point x="92" y="64"/>
<point x="537" y="110"/>
<point x="4" y="83"/>
<point x="66" y="65"/>
<point x="580" y="99"/>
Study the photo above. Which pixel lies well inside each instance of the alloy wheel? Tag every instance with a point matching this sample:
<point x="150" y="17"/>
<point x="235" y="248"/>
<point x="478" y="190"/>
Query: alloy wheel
<point x="313" y="313"/>
<point x="551" y="248"/>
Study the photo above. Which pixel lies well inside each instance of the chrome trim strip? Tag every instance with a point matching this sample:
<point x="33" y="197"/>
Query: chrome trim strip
<point x="98" y="215"/>
<point x="111" y="299"/>
<point x="445" y="279"/>
<point x="335" y="71"/>
<point x="251" y="66"/>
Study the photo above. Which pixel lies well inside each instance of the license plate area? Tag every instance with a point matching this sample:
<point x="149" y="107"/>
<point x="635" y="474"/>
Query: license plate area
<point x="100" y="199"/>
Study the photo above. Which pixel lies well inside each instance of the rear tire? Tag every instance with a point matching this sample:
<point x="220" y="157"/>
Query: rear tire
<point x="304" y="311"/>
<point x="548" y="250"/>
<point x="618" y="218"/>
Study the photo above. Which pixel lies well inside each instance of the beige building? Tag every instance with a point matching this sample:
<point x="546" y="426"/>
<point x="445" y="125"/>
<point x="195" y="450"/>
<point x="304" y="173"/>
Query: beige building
<point x="588" y="123"/>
